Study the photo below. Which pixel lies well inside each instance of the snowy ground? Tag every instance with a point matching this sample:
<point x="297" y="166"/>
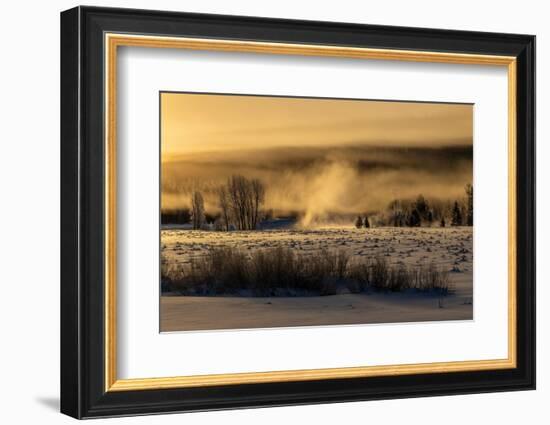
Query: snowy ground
<point x="448" y="248"/>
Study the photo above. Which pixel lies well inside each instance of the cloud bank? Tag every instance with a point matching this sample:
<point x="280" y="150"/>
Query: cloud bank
<point x="320" y="182"/>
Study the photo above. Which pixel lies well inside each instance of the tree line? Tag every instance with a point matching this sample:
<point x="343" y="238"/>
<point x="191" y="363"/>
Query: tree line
<point x="240" y="202"/>
<point x="421" y="212"/>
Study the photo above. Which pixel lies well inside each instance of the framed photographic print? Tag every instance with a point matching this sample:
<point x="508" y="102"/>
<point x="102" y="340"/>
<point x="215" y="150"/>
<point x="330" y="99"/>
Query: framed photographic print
<point x="261" y="212"/>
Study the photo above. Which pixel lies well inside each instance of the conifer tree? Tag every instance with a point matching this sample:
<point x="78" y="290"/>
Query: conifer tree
<point x="430" y="217"/>
<point x="457" y="215"/>
<point x="414" y="219"/>
<point x="421" y="205"/>
<point x="470" y="204"/>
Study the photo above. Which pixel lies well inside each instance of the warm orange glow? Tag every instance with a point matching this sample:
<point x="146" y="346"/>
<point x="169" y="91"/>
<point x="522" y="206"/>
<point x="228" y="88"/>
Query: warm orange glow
<point x="314" y="155"/>
<point x="200" y="123"/>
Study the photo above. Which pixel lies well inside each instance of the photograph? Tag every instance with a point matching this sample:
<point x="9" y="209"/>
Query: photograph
<point x="289" y="211"/>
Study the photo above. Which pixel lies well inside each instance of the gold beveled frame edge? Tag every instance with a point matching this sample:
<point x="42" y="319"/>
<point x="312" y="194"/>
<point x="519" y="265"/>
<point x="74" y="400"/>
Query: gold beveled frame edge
<point x="113" y="40"/>
<point x="306" y="375"/>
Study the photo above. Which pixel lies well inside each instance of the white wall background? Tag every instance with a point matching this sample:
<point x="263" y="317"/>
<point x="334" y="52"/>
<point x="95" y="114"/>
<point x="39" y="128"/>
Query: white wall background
<point x="29" y="230"/>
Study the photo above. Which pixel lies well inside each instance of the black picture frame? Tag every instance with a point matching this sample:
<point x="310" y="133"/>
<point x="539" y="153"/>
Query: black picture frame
<point x="83" y="392"/>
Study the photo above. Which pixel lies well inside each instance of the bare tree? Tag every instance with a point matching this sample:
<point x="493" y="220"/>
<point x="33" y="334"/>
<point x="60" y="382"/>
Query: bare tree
<point x="245" y="198"/>
<point x="224" y="204"/>
<point x="237" y="198"/>
<point x="197" y="210"/>
<point x="258" y="197"/>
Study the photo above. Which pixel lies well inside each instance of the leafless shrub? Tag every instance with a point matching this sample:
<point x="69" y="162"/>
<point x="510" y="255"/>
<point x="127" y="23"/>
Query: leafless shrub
<point x="281" y="272"/>
<point x="378" y="274"/>
<point x="431" y="278"/>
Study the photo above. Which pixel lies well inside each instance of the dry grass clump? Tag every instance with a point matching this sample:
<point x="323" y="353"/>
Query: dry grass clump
<point x="281" y="272"/>
<point x="378" y="274"/>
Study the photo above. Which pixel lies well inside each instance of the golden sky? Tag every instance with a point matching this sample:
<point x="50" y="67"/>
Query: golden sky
<point x="195" y="123"/>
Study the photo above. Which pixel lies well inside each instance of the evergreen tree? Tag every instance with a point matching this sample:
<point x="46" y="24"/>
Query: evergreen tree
<point x="470" y="204"/>
<point x="422" y="207"/>
<point x="430" y="217"/>
<point x="395" y="209"/>
<point x="457" y="215"/>
<point x="401" y="220"/>
<point x="359" y="222"/>
<point x="414" y="219"/>
<point x="442" y="224"/>
<point x="366" y="222"/>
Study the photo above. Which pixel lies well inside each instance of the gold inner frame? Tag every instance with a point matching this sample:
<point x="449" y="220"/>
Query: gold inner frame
<point x="113" y="41"/>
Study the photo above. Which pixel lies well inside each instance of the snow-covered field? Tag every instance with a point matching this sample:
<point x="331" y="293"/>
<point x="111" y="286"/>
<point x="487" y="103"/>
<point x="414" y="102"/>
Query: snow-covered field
<point x="449" y="248"/>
